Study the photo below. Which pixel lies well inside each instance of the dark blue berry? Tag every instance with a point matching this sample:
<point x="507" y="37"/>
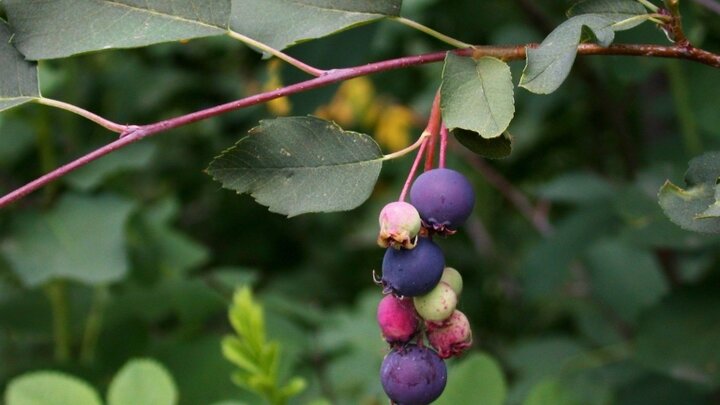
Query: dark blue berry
<point x="413" y="375"/>
<point x="444" y="198"/>
<point x="414" y="272"/>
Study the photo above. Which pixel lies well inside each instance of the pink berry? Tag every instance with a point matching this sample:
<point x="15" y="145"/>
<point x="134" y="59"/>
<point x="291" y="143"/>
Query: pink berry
<point x="451" y="337"/>
<point x="399" y="225"/>
<point x="397" y="319"/>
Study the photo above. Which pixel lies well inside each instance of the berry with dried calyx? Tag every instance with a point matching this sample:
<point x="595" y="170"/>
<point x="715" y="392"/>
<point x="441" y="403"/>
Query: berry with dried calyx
<point x="451" y="337"/>
<point x="399" y="225"/>
<point x="444" y="198"/>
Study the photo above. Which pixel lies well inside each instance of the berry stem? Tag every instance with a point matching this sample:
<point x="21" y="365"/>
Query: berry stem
<point x="443" y="145"/>
<point x="433" y="127"/>
<point x="425" y="139"/>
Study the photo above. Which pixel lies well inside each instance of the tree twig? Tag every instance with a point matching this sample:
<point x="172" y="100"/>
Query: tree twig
<point x="508" y="53"/>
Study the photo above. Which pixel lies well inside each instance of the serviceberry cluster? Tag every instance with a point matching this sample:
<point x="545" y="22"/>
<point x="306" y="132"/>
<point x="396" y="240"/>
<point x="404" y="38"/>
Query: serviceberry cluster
<point x="421" y="291"/>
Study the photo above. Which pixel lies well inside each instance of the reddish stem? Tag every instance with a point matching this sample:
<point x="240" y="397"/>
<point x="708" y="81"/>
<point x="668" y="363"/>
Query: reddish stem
<point x="415" y="165"/>
<point x="433" y="127"/>
<point x="507" y="53"/>
<point x="443" y="145"/>
<point x="430" y="152"/>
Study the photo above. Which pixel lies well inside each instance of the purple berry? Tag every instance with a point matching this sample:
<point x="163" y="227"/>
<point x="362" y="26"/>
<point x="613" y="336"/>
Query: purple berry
<point x="444" y="198"/>
<point x="410" y="273"/>
<point x="413" y="375"/>
<point x="399" y="225"/>
<point x="397" y="319"/>
<point x="451" y="337"/>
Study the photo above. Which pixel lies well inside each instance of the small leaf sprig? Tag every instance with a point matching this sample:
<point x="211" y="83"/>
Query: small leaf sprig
<point x="257" y="358"/>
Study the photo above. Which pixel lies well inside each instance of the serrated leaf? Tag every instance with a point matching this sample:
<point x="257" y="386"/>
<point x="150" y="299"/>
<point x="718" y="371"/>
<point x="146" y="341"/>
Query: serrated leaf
<point x="142" y="382"/>
<point x="626" y="13"/>
<point x="492" y="148"/>
<point x="60" y="28"/>
<point x="694" y="208"/>
<point x="283" y="23"/>
<point x="19" y="79"/>
<point x="296" y="165"/>
<point x="549" y="64"/>
<point x="477" y="95"/>
<point x="477" y="380"/>
<point x="50" y="388"/>
<point x="81" y="239"/>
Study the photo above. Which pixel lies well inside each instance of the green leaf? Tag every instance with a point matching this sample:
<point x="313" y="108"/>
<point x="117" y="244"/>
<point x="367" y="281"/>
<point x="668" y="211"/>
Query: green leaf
<point x="297" y="165"/>
<point x="283" y="23"/>
<point x="629" y="280"/>
<point x="477" y="380"/>
<point x="492" y="148"/>
<point x="626" y="13"/>
<point x="133" y="157"/>
<point x="548" y="65"/>
<point x="551" y="391"/>
<point x="80" y="239"/>
<point x="680" y="336"/>
<point x="60" y="28"/>
<point x="50" y="388"/>
<point x="694" y="208"/>
<point x="142" y="382"/>
<point x="477" y="95"/>
<point x="19" y="80"/>
<point x="577" y="188"/>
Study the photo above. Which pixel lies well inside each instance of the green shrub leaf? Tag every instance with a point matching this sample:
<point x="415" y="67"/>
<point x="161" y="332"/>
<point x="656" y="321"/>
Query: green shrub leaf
<point x="477" y="95"/>
<point x="626" y="13"/>
<point x="680" y="336"/>
<point x="81" y="239"/>
<point x="696" y="207"/>
<point x="283" y="23"/>
<point x="297" y="165"/>
<point x="548" y="65"/>
<point x="491" y="148"/>
<point x="50" y="388"/>
<point x="625" y="278"/>
<point x="56" y="29"/>
<point x="142" y="382"/>
<point x="19" y="80"/>
<point x="478" y="380"/>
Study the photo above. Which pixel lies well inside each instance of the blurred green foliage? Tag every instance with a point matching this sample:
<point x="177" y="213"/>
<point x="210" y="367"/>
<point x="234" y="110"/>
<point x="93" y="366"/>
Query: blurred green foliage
<point x="615" y="305"/>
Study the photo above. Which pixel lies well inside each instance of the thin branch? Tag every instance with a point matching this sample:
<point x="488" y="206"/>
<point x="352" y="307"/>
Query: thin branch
<point x="508" y="53"/>
<point x="313" y="71"/>
<point x="511" y="193"/>
<point x="435" y="34"/>
<point x="105" y="123"/>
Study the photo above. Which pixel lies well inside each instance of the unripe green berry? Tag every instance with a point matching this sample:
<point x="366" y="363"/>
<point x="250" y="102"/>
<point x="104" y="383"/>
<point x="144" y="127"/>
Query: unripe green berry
<point x="438" y="304"/>
<point x="453" y="278"/>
